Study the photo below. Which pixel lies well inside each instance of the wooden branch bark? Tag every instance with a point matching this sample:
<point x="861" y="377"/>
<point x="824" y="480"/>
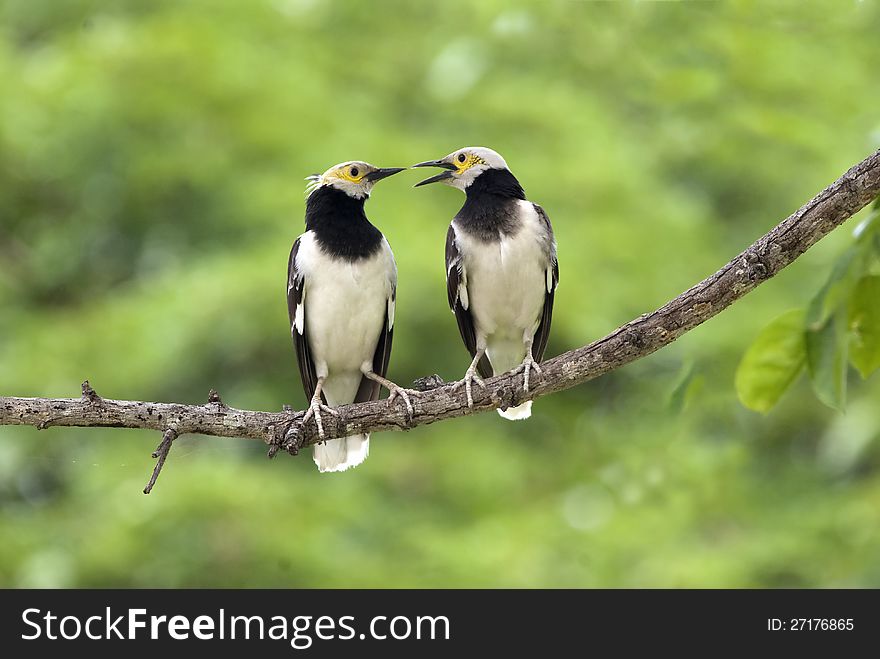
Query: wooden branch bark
<point x="634" y="340"/>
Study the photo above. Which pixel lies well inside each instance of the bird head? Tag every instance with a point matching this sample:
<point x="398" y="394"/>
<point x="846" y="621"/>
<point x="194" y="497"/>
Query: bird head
<point x="463" y="166"/>
<point x="355" y="178"/>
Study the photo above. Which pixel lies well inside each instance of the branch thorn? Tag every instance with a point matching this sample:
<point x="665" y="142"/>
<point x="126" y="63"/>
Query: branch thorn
<point x="89" y="394"/>
<point x="214" y="397"/>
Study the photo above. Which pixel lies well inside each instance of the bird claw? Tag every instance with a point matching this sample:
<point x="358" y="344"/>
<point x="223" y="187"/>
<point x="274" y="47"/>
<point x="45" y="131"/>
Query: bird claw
<point x="467" y="381"/>
<point x="315" y="409"/>
<point x="528" y="364"/>
<point x="403" y="394"/>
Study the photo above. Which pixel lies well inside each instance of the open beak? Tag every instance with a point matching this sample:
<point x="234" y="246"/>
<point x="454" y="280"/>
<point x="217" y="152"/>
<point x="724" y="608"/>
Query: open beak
<point x="442" y="176"/>
<point x="382" y="172"/>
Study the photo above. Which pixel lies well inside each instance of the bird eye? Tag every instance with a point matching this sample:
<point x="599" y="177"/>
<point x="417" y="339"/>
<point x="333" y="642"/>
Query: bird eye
<point x="354" y="171"/>
<point x="461" y="157"/>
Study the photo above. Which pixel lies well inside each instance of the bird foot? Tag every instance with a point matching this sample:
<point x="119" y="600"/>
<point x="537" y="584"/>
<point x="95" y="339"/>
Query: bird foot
<point x="527" y="365"/>
<point x="315" y="409"/>
<point x="403" y="394"/>
<point x="470" y="377"/>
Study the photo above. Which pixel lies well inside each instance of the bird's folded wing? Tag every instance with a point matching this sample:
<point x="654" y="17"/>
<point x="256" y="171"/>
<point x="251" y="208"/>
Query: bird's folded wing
<point x="297" y="313"/>
<point x="552" y="281"/>
<point x="456" y="291"/>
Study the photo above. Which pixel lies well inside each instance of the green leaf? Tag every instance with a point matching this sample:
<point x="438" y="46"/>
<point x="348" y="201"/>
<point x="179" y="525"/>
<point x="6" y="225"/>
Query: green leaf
<point x="772" y="362"/>
<point x="847" y="271"/>
<point x="864" y="326"/>
<point x="827" y="359"/>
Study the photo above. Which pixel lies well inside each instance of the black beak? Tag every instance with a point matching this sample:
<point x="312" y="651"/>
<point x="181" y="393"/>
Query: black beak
<point x="383" y="172"/>
<point x="442" y="176"/>
<point x="436" y="163"/>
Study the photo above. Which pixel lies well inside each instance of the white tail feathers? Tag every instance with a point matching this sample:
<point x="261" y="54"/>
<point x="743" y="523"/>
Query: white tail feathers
<point x="517" y="413"/>
<point x="340" y="454"/>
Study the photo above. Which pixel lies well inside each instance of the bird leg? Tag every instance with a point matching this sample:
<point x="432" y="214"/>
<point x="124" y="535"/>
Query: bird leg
<point x="394" y="390"/>
<point x="316" y="407"/>
<point x="470" y="376"/>
<point x="528" y="363"/>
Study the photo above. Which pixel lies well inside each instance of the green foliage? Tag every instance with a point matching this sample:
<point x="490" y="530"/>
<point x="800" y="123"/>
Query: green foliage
<point x="838" y="289"/>
<point x="864" y="323"/>
<point x="152" y="157"/>
<point x="827" y="352"/>
<point x="772" y="362"/>
<point x="839" y="328"/>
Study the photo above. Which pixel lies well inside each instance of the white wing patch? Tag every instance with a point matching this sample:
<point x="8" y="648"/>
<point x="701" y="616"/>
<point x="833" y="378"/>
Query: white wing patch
<point x="299" y="317"/>
<point x="392" y="283"/>
<point x="462" y="287"/>
<point x="305" y="242"/>
<point x="550" y="286"/>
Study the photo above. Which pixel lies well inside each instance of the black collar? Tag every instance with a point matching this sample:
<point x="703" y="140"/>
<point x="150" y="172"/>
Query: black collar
<point x="491" y="205"/>
<point x="340" y="224"/>
<point x="498" y="182"/>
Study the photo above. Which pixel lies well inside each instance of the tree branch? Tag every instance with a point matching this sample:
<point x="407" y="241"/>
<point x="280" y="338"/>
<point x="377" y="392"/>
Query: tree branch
<point x="161" y="452"/>
<point x="634" y="340"/>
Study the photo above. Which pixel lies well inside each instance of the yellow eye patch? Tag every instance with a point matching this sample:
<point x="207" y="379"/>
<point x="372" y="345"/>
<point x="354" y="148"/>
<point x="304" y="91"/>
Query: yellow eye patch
<point x="470" y="160"/>
<point x="353" y="173"/>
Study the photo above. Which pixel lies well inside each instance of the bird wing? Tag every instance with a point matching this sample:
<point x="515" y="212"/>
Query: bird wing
<point x="296" y="297"/>
<point x="456" y="292"/>
<point x="552" y="281"/>
<point x="368" y="389"/>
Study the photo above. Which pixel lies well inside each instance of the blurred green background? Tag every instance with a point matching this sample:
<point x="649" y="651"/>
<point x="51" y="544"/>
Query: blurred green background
<point x="152" y="157"/>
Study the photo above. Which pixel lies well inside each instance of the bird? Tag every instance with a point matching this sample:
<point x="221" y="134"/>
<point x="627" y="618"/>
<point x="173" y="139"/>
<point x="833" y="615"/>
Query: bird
<point x="341" y="294"/>
<point x="501" y="270"/>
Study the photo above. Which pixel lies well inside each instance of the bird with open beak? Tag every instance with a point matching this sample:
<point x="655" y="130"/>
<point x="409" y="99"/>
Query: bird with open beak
<point x="501" y="269"/>
<point x="341" y="290"/>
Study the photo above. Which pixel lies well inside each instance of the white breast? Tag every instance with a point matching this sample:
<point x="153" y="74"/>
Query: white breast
<point x="506" y="279"/>
<point x="345" y="305"/>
